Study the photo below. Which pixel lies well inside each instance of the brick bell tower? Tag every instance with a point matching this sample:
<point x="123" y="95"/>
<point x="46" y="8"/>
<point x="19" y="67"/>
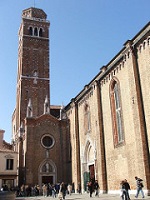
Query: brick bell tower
<point x="33" y="65"/>
<point x="33" y="90"/>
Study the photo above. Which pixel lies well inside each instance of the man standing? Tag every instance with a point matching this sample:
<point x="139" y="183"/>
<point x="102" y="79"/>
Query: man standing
<point x="139" y="185"/>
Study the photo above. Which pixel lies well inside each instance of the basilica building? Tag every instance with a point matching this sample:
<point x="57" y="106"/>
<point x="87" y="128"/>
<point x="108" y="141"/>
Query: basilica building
<point x="102" y="134"/>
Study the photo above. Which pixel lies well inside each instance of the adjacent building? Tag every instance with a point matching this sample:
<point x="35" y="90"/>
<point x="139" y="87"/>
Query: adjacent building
<point x="8" y="164"/>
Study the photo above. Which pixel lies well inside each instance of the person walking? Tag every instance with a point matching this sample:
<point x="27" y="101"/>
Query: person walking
<point x="123" y="194"/>
<point x="139" y="186"/>
<point x="63" y="189"/>
<point x="53" y="191"/>
<point x="90" y="188"/>
<point x="127" y="188"/>
<point x="44" y="188"/>
<point x="69" y="188"/>
<point x="96" y="188"/>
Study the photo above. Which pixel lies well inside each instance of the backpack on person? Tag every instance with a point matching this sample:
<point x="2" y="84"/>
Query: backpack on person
<point x="141" y="185"/>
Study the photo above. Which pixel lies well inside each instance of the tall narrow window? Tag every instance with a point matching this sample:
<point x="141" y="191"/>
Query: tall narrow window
<point x="41" y="32"/>
<point x="9" y="164"/>
<point x="116" y="112"/>
<point x="36" y="32"/>
<point x="30" y="31"/>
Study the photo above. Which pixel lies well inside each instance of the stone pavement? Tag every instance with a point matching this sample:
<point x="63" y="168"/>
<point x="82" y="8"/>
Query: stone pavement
<point x="84" y="197"/>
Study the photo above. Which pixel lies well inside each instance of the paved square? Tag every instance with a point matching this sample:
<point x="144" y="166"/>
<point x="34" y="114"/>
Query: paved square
<point x="84" y="197"/>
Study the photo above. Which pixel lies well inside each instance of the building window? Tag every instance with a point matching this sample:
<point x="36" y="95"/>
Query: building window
<point x="40" y="32"/>
<point x="35" y="32"/>
<point x="116" y="112"/>
<point x="87" y="120"/>
<point x="30" y="31"/>
<point x="47" y="141"/>
<point x="9" y="164"/>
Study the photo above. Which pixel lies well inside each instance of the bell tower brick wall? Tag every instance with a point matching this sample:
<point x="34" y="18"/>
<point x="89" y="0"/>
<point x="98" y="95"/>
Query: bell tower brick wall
<point x="33" y="64"/>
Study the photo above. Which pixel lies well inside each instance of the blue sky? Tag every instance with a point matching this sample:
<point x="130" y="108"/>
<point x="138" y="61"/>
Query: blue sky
<point x="84" y="36"/>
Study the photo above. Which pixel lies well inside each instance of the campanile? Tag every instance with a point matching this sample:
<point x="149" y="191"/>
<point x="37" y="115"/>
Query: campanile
<point x="40" y="133"/>
<point x="33" y="65"/>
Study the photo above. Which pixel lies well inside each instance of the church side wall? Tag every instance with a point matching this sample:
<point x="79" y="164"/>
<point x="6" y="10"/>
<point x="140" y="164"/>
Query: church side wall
<point x="113" y="163"/>
<point x="89" y="136"/>
<point x="74" y="147"/>
<point x="121" y="160"/>
<point x="143" y="54"/>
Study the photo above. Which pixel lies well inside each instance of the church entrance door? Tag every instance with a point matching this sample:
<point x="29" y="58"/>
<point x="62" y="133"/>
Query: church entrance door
<point x="92" y="172"/>
<point x="47" y="179"/>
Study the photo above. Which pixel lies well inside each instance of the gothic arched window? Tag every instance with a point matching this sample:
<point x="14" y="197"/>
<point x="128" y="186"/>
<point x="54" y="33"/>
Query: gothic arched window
<point x="30" y="31"/>
<point x="40" y="32"/>
<point x="36" y="32"/>
<point x="116" y="112"/>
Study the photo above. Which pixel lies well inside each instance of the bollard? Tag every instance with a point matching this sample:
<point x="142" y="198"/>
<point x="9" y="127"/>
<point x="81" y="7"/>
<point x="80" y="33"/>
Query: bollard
<point x="7" y="196"/>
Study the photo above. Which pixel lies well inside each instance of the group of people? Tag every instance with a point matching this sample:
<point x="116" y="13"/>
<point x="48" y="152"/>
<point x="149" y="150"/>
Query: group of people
<point x="61" y="189"/>
<point x="27" y="190"/>
<point x="125" y="187"/>
<point x="53" y="190"/>
<point x="36" y="190"/>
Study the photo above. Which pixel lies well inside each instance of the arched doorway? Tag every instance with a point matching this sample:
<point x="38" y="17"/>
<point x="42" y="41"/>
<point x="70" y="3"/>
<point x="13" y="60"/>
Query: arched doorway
<point x="47" y="172"/>
<point x="88" y="164"/>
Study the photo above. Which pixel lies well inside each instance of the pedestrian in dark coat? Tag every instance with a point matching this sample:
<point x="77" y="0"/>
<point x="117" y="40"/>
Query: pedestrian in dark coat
<point x="90" y="188"/>
<point x="96" y="188"/>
